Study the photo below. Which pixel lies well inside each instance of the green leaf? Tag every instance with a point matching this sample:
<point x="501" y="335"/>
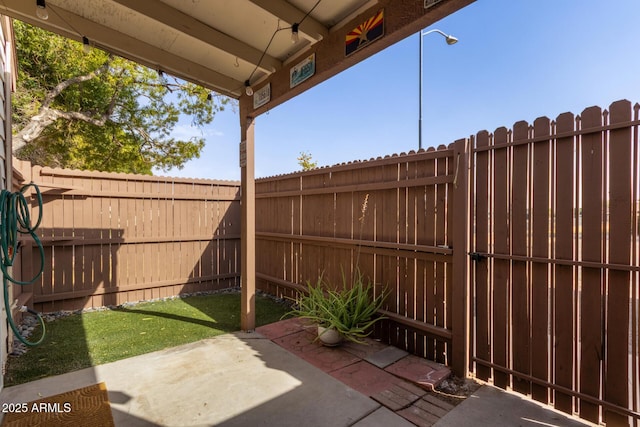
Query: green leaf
<point x="123" y="119"/>
<point x="352" y="310"/>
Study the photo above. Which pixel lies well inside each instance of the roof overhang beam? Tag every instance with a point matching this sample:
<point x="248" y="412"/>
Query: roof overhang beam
<point x="186" y="24"/>
<point x="123" y="45"/>
<point x="309" y="28"/>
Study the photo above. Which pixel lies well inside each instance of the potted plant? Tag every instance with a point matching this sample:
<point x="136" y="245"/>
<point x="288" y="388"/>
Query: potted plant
<point x="347" y="313"/>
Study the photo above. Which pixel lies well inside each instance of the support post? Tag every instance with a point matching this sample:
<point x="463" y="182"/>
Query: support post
<point x="248" y="234"/>
<point x="460" y="286"/>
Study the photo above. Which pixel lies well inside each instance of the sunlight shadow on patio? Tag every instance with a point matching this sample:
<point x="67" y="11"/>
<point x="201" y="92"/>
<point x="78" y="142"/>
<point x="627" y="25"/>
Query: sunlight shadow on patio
<point x="233" y="379"/>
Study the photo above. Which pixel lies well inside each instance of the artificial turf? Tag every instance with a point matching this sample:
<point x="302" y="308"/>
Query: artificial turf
<point x="82" y="340"/>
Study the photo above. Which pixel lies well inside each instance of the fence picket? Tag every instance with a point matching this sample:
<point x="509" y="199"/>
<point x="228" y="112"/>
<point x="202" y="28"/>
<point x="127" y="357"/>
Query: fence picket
<point x="520" y="289"/>
<point x="453" y="163"/>
<point x="591" y="288"/>
<point x="403" y="278"/>
<point x="163" y="254"/>
<point x="412" y="283"/>
<point x="616" y="372"/>
<point x="346" y="215"/>
<point x="483" y="348"/>
<point x="541" y="186"/>
<point x="440" y="267"/>
<point x="501" y="268"/>
<point x="563" y="285"/>
<point x="429" y="238"/>
<point x="635" y="260"/>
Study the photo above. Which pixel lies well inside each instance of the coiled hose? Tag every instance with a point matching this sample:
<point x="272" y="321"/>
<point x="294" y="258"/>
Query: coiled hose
<point x="14" y="219"/>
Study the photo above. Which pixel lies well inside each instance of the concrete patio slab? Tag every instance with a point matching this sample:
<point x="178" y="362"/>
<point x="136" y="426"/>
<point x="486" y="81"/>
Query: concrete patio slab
<point x="231" y="380"/>
<point x="383" y="418"/>
<point x="386" y="356"/>
<point x="491" y="406"/>
<point x="246" y="379"/>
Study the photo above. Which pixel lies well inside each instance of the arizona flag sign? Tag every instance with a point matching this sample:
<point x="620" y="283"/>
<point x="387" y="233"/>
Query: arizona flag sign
<point x="370" y="30"/>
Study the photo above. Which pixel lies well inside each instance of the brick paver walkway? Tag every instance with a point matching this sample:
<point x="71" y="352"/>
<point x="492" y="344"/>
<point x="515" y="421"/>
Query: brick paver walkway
<point x="392" y="377"/>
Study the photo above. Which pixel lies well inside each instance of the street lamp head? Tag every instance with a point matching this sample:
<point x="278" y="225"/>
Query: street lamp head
<point x="451" y="40"/>
<point x="448" y="37"/>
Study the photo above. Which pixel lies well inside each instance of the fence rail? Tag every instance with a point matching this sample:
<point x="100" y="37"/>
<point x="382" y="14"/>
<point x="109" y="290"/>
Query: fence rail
<point x="111" y="238"/>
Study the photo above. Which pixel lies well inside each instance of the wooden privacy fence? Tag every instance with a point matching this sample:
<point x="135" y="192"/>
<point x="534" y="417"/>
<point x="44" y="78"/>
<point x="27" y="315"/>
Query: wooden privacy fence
<point x="537" y="226"/>
<point x="513" y="255"/>
<point x="555" y="283"/>
<point x="314" y="223"/>
<point x="111" y="238"/>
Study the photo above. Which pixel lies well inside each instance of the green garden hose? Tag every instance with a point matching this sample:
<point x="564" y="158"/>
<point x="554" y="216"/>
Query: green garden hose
<point x="14" y="219"/>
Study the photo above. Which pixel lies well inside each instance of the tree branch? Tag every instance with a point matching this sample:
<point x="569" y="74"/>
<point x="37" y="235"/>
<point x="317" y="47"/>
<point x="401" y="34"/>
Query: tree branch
<point x="47" y="115"/>
<point x="57" y="90"/>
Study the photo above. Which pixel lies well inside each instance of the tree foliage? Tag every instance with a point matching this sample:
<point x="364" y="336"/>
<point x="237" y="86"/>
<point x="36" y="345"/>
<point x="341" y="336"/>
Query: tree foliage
<point x="306" y="161"/>
<point x="98" y="111"/>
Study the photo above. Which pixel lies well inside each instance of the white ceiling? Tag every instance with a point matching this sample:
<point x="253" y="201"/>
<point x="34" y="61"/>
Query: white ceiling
<point x="217" y="43"/>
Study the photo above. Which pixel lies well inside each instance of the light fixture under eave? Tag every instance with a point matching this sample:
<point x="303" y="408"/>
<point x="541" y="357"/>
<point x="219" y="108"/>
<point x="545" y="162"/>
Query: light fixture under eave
<point x="86" y="47"/>
<point x="247" y="88"/>
<point x="41" y="10"/>
<point x="295" y="35"/>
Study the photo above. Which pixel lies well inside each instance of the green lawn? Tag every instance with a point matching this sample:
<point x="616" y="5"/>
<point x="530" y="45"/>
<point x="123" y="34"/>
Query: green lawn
<point x="80" y="341"/>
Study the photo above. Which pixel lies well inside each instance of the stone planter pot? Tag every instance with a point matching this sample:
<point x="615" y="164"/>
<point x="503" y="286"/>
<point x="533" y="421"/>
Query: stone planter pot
<point x="329" y="337"/>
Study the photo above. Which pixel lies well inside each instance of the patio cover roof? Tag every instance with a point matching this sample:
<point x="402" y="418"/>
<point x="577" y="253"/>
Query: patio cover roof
<point x="221" y="44"/>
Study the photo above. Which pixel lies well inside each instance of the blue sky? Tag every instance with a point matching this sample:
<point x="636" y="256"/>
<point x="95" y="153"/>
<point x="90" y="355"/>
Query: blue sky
<point x="516" y="60"/>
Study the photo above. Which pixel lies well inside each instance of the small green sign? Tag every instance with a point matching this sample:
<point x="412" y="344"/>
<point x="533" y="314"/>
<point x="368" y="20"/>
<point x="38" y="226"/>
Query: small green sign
<point x="302" y="71"/>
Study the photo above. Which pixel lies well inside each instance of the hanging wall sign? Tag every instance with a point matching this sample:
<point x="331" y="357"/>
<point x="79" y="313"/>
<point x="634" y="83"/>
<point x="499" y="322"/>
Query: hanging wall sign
<point x="262" y="96"/>
<point x="370" y="30"/>
<point x="302" y="71"/>
<point x="429" y="3"/>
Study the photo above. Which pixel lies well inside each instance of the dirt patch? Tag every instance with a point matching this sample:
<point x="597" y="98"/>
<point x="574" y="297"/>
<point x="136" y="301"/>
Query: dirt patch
<point x="454" y="390"/>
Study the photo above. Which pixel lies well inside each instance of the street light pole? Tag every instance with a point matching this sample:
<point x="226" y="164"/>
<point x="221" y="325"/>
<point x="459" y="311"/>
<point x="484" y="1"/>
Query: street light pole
<point x="450" y="40"/>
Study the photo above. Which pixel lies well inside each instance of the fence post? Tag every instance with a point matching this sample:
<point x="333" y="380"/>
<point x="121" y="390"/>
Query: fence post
<point x="459" y="359"/>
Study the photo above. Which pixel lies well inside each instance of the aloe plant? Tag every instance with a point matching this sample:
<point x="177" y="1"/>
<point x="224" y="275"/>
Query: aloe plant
<point x="351" y="310"/>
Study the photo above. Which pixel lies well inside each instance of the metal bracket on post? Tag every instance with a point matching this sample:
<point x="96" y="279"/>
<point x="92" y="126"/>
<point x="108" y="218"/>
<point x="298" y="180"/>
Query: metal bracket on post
<point x="477" y="256"/>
